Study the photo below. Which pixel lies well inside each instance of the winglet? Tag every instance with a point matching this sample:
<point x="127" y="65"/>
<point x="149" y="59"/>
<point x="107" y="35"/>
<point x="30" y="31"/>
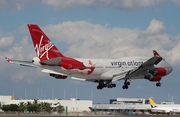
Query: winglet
<point x="156" y="53"/>
<point x="8" y="60"/>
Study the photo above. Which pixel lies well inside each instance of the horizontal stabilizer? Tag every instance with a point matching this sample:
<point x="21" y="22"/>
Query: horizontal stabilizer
<point x="20" y="62"/>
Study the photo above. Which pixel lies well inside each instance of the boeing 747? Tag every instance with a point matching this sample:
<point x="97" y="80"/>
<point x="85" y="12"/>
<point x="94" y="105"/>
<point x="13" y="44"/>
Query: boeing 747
<point x="102" y="71"/>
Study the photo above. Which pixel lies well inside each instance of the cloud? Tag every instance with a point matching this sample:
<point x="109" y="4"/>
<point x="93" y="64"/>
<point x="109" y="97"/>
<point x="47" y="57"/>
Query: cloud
<point x="176" y="2"/>
<point x="155" y="27"/>
<point x="97" y="41"/>
<point x="70" y="4"/>
<point x="21" y="50"/>
<point x="117" y="4"/>
<point x="6" y="42"/>
<point x="16" y="4"/>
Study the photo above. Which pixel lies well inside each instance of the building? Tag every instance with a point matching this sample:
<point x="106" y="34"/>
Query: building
<point x="132" y="104"/>
<point x="127" y="101"/>
<point x="73" y="105"/>
<point x="76" y="105"/>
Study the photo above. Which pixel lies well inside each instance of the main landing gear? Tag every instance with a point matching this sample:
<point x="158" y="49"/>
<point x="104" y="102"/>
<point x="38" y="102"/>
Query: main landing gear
<point x="126" y="84"/>
<point x="106" y="85"/>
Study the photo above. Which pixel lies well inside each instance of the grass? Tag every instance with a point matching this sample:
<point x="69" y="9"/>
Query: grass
<point x="15" y="115"/>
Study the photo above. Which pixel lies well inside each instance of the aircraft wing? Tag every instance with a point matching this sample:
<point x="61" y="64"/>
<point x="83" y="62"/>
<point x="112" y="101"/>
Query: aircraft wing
<point x="74" y="78"/>
<point x="80" y="79"/>
<point x="20" y="62"/>
<point x="52" y="72"/>
<point x="137" y="72"/>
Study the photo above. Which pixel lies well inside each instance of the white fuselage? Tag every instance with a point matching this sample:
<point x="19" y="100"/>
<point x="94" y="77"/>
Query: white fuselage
<point x="166" y="109"/>
<point x="103" y="69"/>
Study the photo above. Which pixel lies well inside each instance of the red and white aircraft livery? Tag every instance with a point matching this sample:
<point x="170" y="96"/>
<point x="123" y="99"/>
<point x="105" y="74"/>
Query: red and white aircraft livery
<point x="102" y="71"/>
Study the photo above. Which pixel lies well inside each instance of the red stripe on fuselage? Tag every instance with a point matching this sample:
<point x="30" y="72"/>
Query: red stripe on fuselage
<point x="70" y="64"/>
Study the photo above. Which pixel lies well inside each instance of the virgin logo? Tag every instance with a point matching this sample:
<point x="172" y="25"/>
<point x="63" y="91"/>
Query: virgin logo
<point x="43" y="49"/>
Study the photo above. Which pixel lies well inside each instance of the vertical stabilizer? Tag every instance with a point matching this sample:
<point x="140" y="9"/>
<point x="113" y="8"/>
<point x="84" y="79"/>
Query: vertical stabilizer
<point x="43" y="46"/>
<point x="152" y="103"/>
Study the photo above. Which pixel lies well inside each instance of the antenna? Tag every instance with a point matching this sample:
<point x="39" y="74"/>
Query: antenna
<point x="13" y="92"/>
<point x="91" y="94"/>
<point x="40" y="91"/>
<point x="64" y="94"/>
<point x="25" y="94"/>
<point x="76" y="93"/>
<point x="172" y="99"/>
<point x="37" y="93"/>
<point x="52" y="93"/>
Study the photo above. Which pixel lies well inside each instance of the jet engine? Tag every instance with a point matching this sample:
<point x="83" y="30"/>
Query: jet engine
<point x="158" y="72"/>
<point x="153" y="78"/>
<point x="57" y="76"/>
<point x="36" y="61"/>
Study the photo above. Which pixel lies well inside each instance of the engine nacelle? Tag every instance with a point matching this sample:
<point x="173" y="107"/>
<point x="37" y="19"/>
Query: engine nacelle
<point x="36" y="61"/>
<point x="153" y="78"/>
<point x="158" y="72"/>
<point x="57" y="76"/>
<point x="156" y="78"/>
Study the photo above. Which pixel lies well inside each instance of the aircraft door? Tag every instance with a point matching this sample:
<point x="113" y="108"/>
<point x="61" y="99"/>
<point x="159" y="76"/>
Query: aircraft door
<point x="102" y="67"/>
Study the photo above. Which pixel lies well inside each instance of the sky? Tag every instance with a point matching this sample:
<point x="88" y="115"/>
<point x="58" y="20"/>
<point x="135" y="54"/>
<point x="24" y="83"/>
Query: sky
<point x="89" y="29"/>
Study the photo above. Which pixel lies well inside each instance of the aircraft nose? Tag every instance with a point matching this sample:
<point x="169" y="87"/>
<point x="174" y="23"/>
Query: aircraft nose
<point x="169" y="70"/>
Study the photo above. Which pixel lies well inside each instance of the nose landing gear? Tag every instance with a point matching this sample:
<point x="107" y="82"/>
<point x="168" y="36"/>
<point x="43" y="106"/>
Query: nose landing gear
<point x="158" y="84"/>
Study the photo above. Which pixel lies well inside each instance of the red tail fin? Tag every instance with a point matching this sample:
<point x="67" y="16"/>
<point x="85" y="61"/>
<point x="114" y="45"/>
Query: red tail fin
<point x="43" y="46"/>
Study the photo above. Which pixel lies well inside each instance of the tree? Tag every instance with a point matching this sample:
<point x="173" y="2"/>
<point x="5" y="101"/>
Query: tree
<point x="60" y="109"/>
<point x="5" y="107"/>
<point x="21" y="106"/>
<point x="11" y="107"/>
<point x="32" y="106"/>
<point x="47" y="107"/>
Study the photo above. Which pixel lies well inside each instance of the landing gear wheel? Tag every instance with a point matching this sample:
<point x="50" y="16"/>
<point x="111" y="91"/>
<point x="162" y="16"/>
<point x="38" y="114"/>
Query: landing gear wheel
<point x="158" y="84"/>
<point x="125" y="86"/>
<point x="99" y="87"/>
<point x="114" y="85"/>
<point x="109" y="86"/>
<point x="128" y="83"/>
<point x="106" y="84"/>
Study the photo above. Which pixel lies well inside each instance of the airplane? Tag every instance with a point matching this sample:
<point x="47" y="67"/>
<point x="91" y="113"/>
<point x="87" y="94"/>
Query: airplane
<point x="168" y="110"/>
<point x="102" y="71"/>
